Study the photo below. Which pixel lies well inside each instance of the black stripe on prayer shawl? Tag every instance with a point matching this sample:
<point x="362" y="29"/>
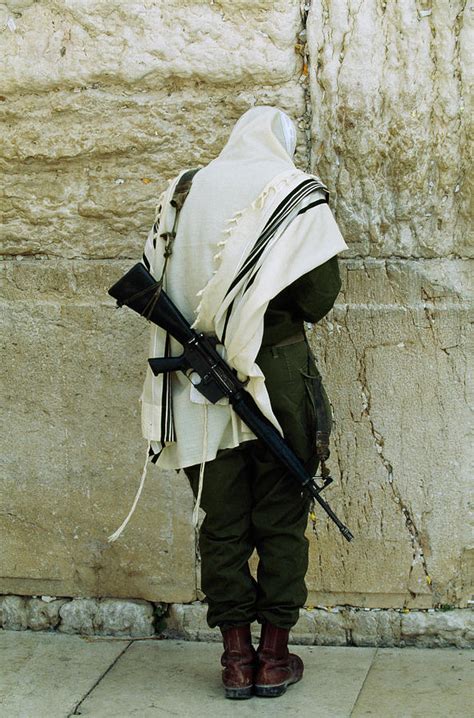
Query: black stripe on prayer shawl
<point x="145" y="261"/>
<point x="280" y="213"/>
<point x="154" y="457"/>
<point x="156" y="225"/>
<point x="285" y="207"/>
<point x="302" y="211"/>
<point x="227" y="317"/>
<point x="310" y="206"/>
<point x="298" y="193"/>
<point x="170" y="432"/>
<point x="167" y="424"/>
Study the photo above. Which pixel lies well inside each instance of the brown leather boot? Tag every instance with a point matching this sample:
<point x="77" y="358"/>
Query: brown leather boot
<point x="239" y="660"/>
<point x="277" y="668"/>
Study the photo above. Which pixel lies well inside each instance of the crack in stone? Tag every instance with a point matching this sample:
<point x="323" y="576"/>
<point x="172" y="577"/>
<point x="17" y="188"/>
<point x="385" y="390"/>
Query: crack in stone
<point x="418" y="552"/>
<point x="307" y="118"/>
<point x="379" y="441"/>
<point x="76" y="710"/>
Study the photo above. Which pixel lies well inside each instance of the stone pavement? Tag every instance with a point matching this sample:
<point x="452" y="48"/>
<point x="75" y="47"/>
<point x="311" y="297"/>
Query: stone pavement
<point x="48" y="675"/>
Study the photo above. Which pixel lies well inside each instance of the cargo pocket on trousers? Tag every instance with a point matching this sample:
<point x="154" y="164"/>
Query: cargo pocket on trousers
<point x="321" y="412"/>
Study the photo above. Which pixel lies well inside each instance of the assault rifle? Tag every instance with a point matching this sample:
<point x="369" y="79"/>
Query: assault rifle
<point x="200" y="359"/>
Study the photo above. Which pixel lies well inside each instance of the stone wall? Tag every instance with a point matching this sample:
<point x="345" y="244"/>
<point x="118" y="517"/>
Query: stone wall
<point x="101" y="103"/>
<point x="389" y="134"/>
<point x="136" y="618"/>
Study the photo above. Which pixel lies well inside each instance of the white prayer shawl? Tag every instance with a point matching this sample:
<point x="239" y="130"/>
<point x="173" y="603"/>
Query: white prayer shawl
<point x="238" y="244"/>
<point x="299" y="245"/>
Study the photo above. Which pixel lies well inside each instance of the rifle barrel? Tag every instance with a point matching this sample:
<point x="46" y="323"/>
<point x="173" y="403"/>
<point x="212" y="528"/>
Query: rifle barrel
<point x="245" y="406"/>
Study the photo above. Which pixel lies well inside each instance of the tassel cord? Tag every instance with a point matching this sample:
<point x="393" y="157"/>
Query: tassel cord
<point x="113" y="537"/>
<point x="201" y="469"/>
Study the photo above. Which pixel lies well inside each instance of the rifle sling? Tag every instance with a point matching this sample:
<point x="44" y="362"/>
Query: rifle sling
<point x="180" y="194"/>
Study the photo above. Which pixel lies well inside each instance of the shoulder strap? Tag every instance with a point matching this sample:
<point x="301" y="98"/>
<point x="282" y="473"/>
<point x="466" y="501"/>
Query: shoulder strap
<point x="180" y="193"/>
<point x="182" y="189"/>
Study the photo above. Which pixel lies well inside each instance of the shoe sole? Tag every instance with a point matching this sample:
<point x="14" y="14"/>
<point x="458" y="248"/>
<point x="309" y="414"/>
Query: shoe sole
<point x="273" y="691"/>
<point x="270" y="691"/>
<point x="239" y="693"/>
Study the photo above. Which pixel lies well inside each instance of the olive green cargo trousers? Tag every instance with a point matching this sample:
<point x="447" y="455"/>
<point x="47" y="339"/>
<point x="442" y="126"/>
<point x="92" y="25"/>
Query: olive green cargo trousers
<point x="252" y="503"/>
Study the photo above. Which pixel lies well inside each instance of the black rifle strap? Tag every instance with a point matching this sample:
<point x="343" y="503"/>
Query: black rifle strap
<point x="180" y="193"/>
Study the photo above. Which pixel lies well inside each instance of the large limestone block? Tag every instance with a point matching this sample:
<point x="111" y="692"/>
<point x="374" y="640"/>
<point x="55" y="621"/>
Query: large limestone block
<point x="120" y="97"/>
<point x="83" y="174"/>
<point x="394" y="354"/>
<point x="119" y="43"/>
<point x="390" y="127"/>
<point x="72" y="448"/>
<point x="170" y="126"/>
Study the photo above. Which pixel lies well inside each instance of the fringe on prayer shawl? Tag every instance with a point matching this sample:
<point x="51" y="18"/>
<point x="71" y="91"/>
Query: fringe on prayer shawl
<point x="231" y="226"/>
<point x="201" y="472"/>
<point x="116" y="534"/>
<point x="113" y="537"/>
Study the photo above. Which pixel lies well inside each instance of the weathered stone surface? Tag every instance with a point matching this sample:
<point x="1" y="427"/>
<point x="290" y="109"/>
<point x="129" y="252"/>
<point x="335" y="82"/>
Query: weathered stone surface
<point x="394" y="354"/>
<point x="389" y="129"/>
<point x="73" y="450"/>
<point x="449" y="628"/>
<point x="101" y="158"/>
<point x="13" y="613"/>
<point x="374" y="628"/>
<point x="304" y="631"/>
<point x="342" y="625"/>
<point x="108" y="617"/>
<point x="316" y="626"/>
<point x="402" y="320"/>
<point x="147" y="126"/>
<point x="116" y="617"/>
<point x="101" y="131"/>
<point x="115" y="103"/>
<point x="338" y="626"/>
<point x="188" y="621"/>
<point x="43" y="615"/>
<point x="321" y="627"/>
<point x="117" y="44"/>
<point x="78" y="616"/>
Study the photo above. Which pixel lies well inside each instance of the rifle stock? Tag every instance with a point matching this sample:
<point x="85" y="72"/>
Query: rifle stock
<point x="142" y="293"/>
